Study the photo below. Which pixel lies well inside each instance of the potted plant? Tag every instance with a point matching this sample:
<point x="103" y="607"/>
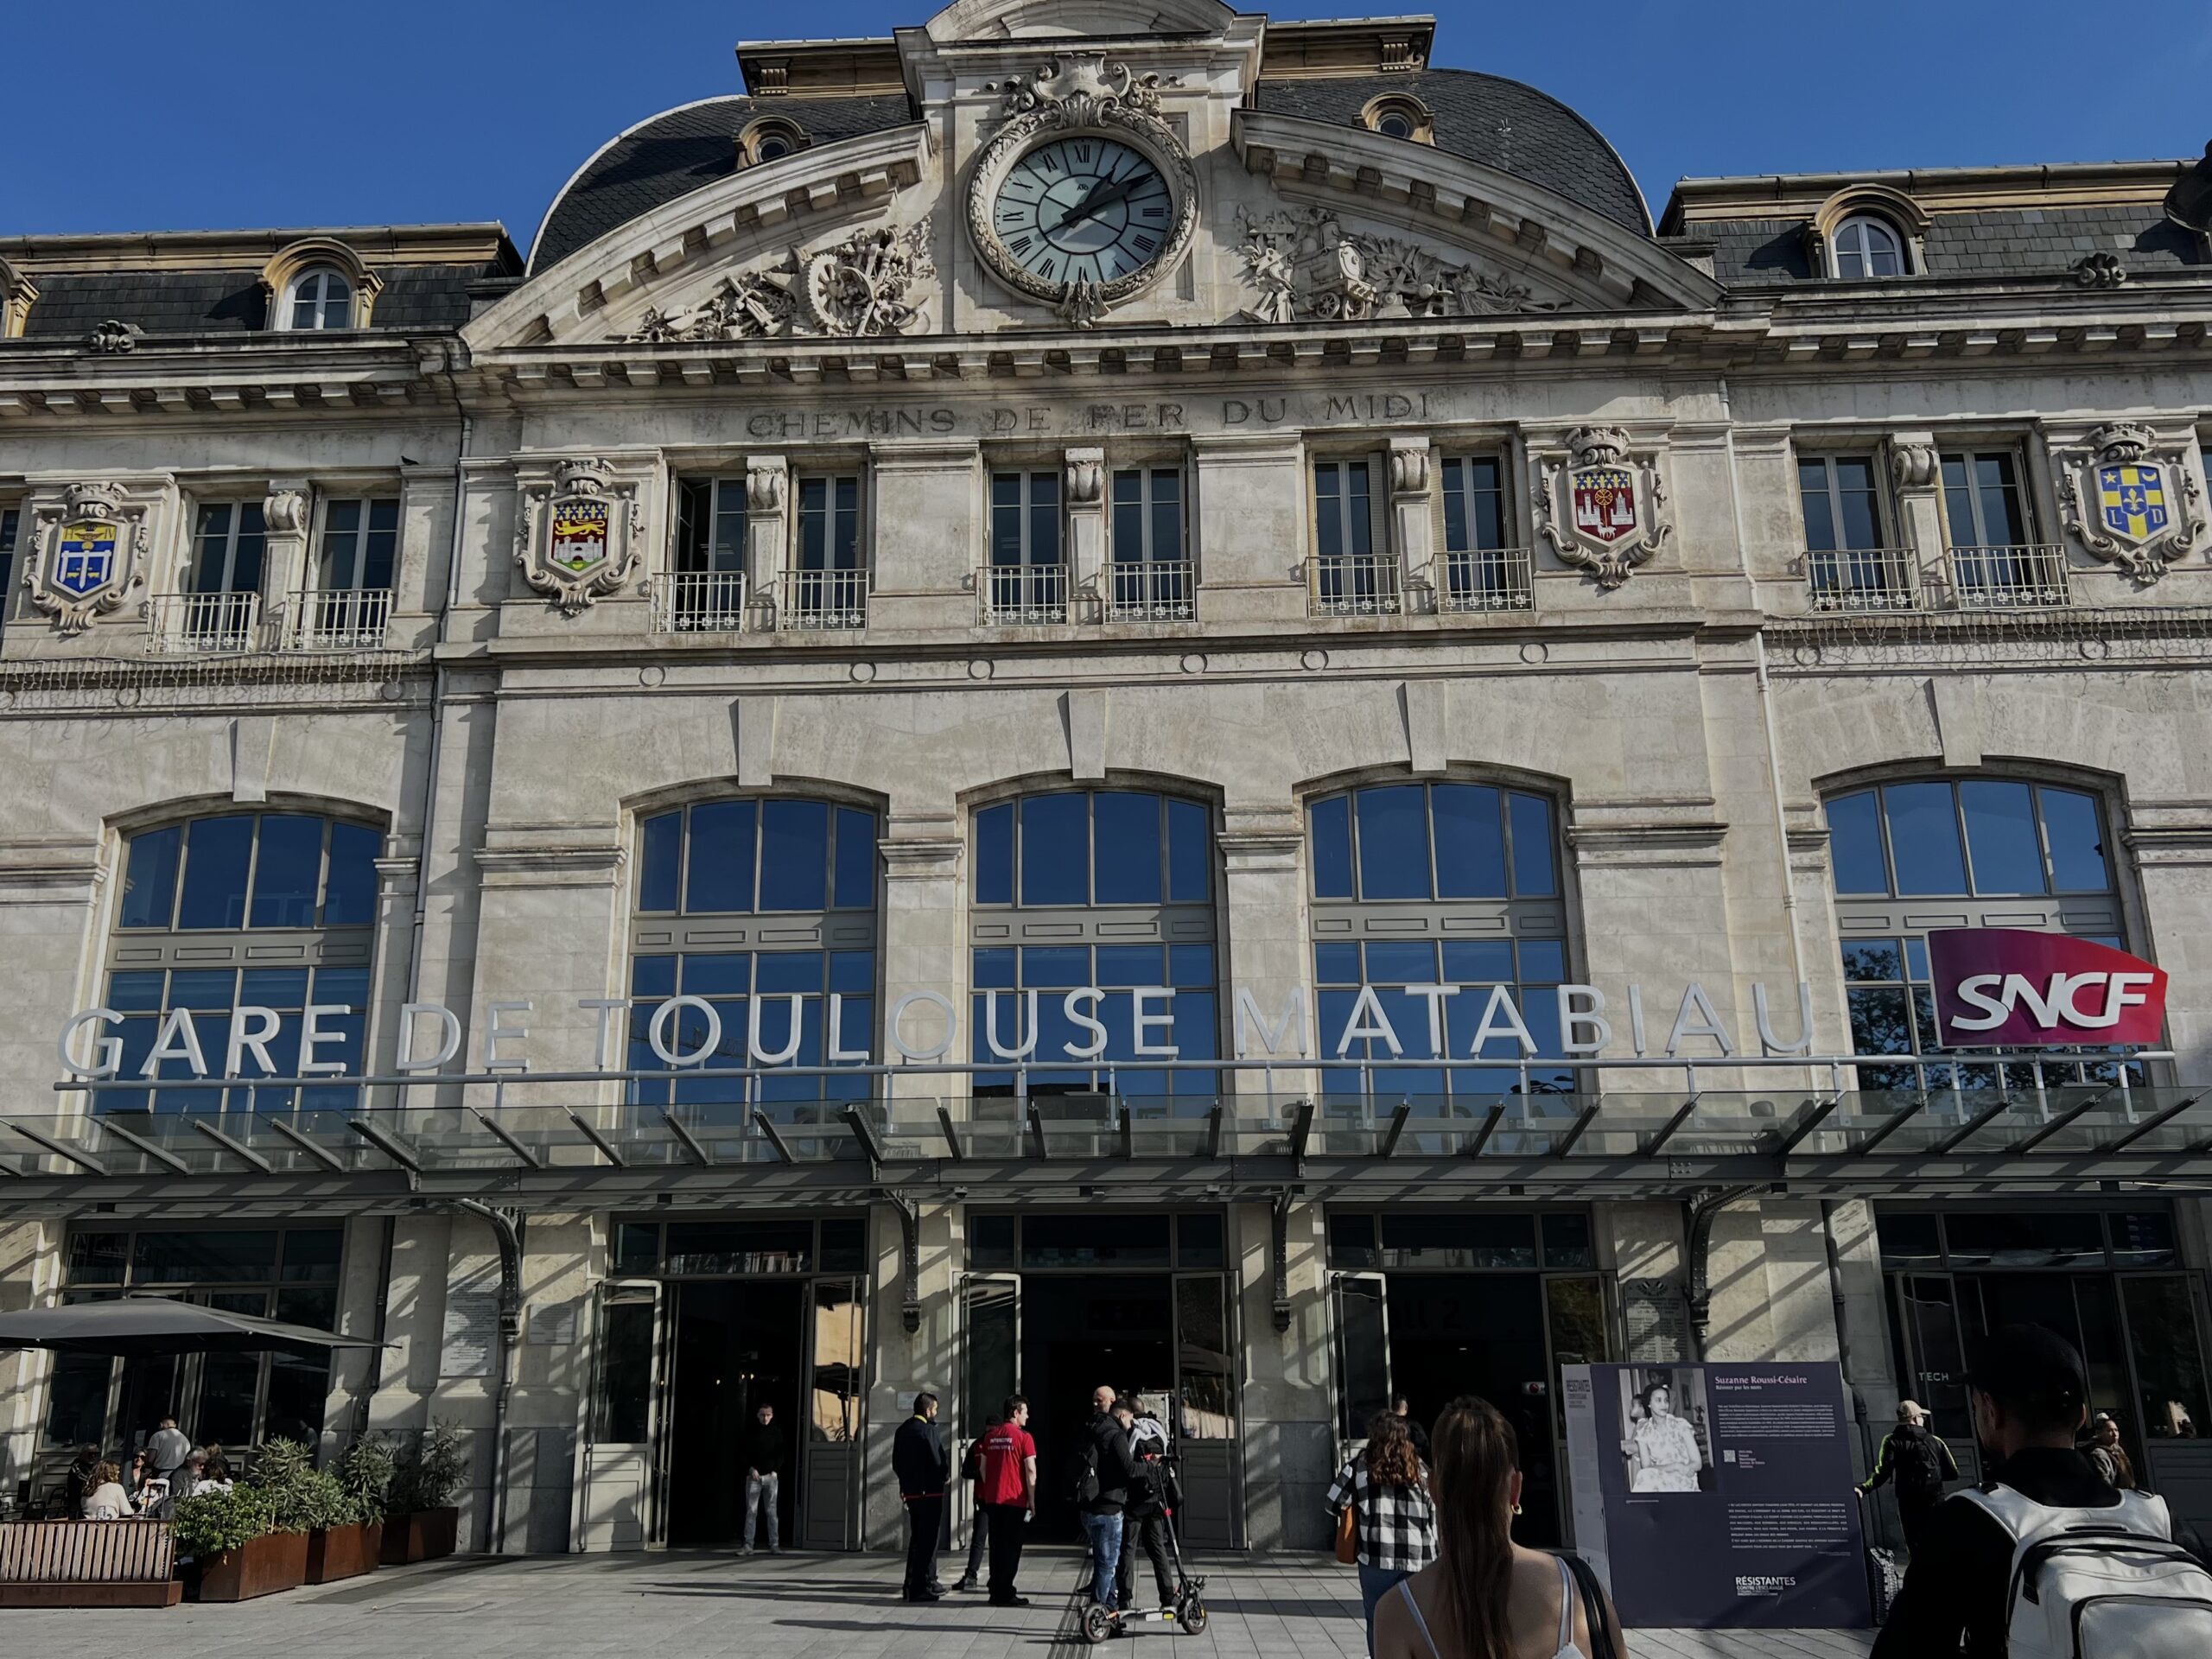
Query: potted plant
<point x="232" y="1539"/>
<point x="364" y="1477"/>
<point x="422" y="1521"/>
<point x="315" y="1502"/>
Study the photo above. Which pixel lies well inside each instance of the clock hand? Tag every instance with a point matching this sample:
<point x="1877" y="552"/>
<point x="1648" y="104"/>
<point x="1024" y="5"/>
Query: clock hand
<point x="1105" y="196"/>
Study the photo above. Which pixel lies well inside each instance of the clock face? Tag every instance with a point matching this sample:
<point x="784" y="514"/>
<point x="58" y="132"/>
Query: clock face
<point x="1082" y="209"/>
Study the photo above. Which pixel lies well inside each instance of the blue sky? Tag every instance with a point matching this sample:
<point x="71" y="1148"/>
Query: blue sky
<point x="239" y="112"/>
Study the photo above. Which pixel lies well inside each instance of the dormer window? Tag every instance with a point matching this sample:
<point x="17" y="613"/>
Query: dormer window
<point x="770" y="138"/>
<point x="1867" y="246"/>
<point x="320" y="298"/>
<point x="1400" y="115"/>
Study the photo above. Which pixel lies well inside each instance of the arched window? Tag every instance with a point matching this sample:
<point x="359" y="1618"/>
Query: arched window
<point x="1437" y="884"/>
<point x="1397" y="115"/>
<point x="247" y="910"/>
<point x="1967" y="852"/>
<point x="1111" y="889"/>
<point x="320" y="297"/>
<point x="748" y="904"/>
<point x="1868" y="246"/>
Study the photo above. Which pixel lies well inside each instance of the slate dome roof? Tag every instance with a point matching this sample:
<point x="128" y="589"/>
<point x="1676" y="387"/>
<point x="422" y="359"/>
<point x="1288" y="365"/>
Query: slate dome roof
<point x="1486" y="118"/>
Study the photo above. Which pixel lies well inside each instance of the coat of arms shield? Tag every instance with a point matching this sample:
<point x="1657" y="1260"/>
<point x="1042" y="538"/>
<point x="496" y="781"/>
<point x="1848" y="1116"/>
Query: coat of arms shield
<point x="2130" y="503"/>
<point x="2132" y="499"/>
<point x="83" y="563"/>
<point x="579" y="536"/>
<point x="88" y="545"/>
<point x="1605" y="502"/>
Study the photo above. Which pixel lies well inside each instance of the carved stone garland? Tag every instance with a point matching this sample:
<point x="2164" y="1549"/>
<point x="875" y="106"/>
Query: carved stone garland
<point x="577" y="537"/>
<point x="1308" y="268"/>
<point x="1602" y="510"/>
<point x="1081" y="92"/>
<point x="861" y="286"/>
<point x="85" y="554"/>
<point x="2129" y="501"/>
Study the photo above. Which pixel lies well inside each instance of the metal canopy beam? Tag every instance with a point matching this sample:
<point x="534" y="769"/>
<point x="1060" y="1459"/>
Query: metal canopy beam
<point x="1396" y="1131"/>
<point x="951" y="1134"/>
<point x="1216" y="1125"/>
<point x="82" y="1159"/>
<point x="387" y="1143"/>
<point x="530" y="1160"/>
<point x="1581" y="1123"/>
<point x="1037" y="1132"/>
<point x="1897" y="1120"/>
<point x="1490" y="1128"/>
<point x="2158" y="1120"/>
<point x="606" y="1148"/>
<point x="1813" y="1120"/>
<point x="2057" y="1123"/>
<point x="1302" y="1132"/>
<point x="1667" y="1130"/>
<point x="159" y="1154"/>
<point x="237" y="1149"/>
<point x="313" y="1148"/>
<point x="773" y="1135"/>
<point x="863" y="1131"/>
<point x="691" y="1141"/>
<point x="2004" y="1104"/>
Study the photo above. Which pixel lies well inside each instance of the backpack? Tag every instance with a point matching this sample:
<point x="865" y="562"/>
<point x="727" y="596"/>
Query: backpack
<point x="1085" y="1486"/>
<point x="2099" y="1583"/>
<point x="1919" y="1469"/>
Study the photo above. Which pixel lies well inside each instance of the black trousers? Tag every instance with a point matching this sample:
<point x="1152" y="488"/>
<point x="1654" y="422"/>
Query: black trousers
<point x="924" y="1515"/>
<point x="1007" y="1526"/>
<point x="1914" y="1516"/>
<point x="1151" y="1531"/>
<point x="979" y="1531"/>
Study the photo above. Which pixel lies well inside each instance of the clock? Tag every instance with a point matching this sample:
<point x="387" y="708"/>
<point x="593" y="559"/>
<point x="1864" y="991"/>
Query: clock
<point x="1083" y="208"/>
<point x="1084" y="195"/>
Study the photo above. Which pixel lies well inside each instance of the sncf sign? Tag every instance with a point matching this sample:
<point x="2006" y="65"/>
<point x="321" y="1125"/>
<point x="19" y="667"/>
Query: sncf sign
<point x="2009" y="988"/>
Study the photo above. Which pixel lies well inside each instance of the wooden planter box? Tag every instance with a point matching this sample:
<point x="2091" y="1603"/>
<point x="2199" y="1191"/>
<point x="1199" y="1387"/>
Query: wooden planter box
<point x="336" y="1553"/>
<point x="423" y="1536"/>
<point x="262" y="1566"/>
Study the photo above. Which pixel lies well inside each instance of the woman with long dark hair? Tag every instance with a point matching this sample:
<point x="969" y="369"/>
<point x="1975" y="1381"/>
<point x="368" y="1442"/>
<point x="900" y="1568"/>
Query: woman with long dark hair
<point x="1486" y="1597"/>
<point x="1396" y="1526"/>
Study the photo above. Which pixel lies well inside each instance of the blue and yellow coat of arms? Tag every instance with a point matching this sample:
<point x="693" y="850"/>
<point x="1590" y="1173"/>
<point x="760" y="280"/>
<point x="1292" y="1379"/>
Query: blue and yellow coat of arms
<point x="83" y="563"/>
<point x="2132" y="499"/>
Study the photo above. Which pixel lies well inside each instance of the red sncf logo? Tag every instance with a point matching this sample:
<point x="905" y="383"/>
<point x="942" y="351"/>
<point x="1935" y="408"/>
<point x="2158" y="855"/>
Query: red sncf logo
<point x="2010" y="987"/>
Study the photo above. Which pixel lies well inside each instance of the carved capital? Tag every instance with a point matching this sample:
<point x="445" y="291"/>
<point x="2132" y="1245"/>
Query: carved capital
<point x="764" y="483"/>
<point x="1409" y="468"/>
<point x="1086" y="477"/>
<point x="1915" y="462"/>
<point x="285" y="510"/>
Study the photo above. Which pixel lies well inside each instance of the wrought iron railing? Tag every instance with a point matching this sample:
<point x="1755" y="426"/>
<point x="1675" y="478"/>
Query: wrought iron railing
<point x="2031" y="577"/>
<point x="202" y="624"/>
<point x="1486" y="579"/>
<point x="1152" y="590"/>
<point x="699" y="601"/>
<point x="1862" y="579"/>
<point x="1013" y="595"/>
<point x="1355" y="584"/>
<point x="826" y="600"/>
<point x="340" y="618"/>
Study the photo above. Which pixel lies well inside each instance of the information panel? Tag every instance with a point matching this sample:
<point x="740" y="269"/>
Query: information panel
<point x="1718" y="1497"/>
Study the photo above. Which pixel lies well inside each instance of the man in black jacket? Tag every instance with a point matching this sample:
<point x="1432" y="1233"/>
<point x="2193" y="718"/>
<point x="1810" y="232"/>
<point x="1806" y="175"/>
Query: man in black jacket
<point x="764" y="1479"/>
<point x="917" y="1457"/>
<point x="1106" y="1455"/>
<point x="1915" y="1457"/>
<point x="2029" y="1395"/>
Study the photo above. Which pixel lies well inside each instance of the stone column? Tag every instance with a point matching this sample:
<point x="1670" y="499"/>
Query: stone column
<point x="925" y="534"/>
<point x="32" y="1251"/>
<point x="1248" y="517"/>
<point x="1916" y="470"/>
<point x="1084" y="491"/>
<point x="1286" y="1437"/>
<point x="1412" y="520"/>
<point x="1263" y="882"/>
<point x="289" y="513"/>
<point x="925" y="944"/>
<point x="767" y="531"/>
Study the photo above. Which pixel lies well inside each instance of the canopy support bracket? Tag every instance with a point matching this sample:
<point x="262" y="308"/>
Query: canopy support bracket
<point x="910" y="1256"/>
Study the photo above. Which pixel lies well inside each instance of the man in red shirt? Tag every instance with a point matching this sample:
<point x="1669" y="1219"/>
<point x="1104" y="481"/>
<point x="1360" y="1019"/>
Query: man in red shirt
<point x="1009" y="1491"/>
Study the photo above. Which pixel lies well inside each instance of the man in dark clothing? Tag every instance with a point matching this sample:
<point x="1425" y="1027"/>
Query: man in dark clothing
<point x="1009" y="1491"/>
<point x="1142" y="1519"/>
<point x="764" y="1477"/>
<point x="1916" y="1457"/>
<point x="917" y="1457"/>
<point x="2029" y="1396"/>
<point x="1106" y="1452"/>
<point x="1403" y="1407"/>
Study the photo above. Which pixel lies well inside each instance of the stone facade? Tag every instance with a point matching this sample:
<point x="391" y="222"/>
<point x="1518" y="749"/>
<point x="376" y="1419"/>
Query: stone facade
<point x="1687" y="694"/>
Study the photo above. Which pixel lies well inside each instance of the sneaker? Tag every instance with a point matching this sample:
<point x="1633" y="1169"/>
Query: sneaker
<point x="744" y="1550"/>
<point x="966" y="1581"/>
<point x="1010" y="1601"/>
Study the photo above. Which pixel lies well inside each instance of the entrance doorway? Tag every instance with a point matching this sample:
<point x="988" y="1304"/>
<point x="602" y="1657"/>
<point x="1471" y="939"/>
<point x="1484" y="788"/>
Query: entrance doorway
<point x="737" y="1349"/>
<point x="1115" y="1329"/>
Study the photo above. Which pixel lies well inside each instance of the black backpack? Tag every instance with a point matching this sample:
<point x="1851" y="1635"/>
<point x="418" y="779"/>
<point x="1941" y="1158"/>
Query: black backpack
<point x="1086" y="1485"/>
<point x="1919" y="1467"/>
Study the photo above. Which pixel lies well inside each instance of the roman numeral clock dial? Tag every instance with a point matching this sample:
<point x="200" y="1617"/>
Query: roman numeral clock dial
<point x="1082" y="209"/>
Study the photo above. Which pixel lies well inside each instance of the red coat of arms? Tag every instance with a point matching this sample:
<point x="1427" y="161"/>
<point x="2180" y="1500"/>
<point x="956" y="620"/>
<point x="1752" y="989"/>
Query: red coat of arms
<point x="1605" y="502"/>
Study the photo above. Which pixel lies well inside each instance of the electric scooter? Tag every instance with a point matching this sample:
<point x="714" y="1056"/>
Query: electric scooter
<point x="1188" y="1609"/>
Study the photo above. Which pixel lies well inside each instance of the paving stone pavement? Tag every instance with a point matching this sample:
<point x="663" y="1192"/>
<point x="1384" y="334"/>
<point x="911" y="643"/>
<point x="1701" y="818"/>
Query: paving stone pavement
<point x="793" y="1606"/>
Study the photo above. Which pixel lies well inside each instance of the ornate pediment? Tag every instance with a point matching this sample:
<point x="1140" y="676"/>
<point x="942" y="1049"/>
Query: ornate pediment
<point x="1305" y="266"/>
<point x="867" y="283"/>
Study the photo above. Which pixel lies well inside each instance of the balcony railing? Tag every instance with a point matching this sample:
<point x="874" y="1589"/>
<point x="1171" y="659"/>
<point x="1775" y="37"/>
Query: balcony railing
<point x="1863" y="579"/>
<point x="202" y="624"/>
<point x="1015" y="596"/>
<point x="343" y="619"/>
<point x="1151" y="590"/>
<point x="699" y="601"/>
<point x="2032" y="577"/>
<point x="1354" y="584"/>
<point x="824" y="600"/>
<point x="1486" y="579"/>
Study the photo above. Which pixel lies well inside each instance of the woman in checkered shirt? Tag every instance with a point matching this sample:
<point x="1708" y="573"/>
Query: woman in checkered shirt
<point x="1396" y="1524"/>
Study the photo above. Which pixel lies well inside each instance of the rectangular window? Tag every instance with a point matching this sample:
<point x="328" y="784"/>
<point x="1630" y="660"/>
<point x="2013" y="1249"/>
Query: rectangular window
<point x="1024" y="518"/>
<point x="1474" y="503"/>
<point x="360" y="545"/>
<point x="710" y="526"/>
<point x="1152" y="577"/>
<point x="228" y="540"/>
<point x="1841" y="497"/>
<point x="830" y="522"/>
<point x="1343" y="524"/>
<point x="1982" y="503"/>
<point x="1478" y="571"/>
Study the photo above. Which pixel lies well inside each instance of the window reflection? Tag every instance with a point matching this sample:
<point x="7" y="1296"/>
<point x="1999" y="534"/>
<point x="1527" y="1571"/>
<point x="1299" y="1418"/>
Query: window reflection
<point x="1925" y="832"/>
<point x="1433" y="841"/>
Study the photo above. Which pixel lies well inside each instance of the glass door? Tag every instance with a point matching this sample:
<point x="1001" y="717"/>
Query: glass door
<point x="622" y="1473"/>
<point x="990" y="1338"/>
<point x="1205" y="1409"/>
<point x="1577" y="1333"/>
<point x="1362" y="1319"/>
<point x="829" y="1511"/>
<point x="1932" y="1361"/>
